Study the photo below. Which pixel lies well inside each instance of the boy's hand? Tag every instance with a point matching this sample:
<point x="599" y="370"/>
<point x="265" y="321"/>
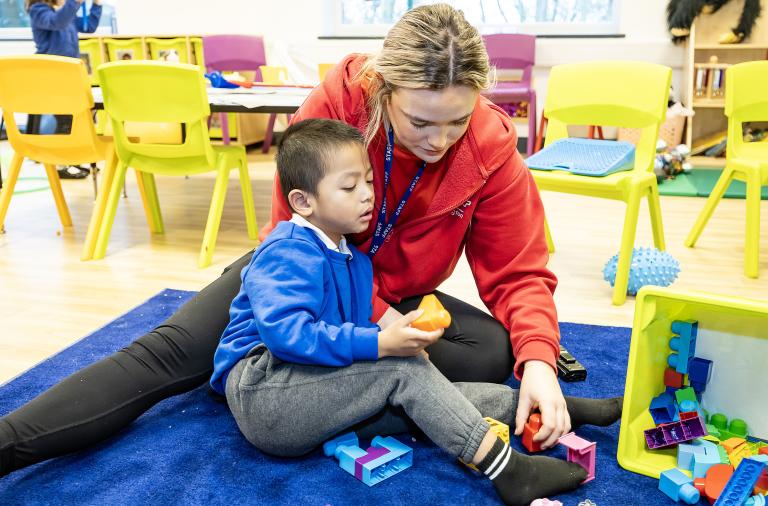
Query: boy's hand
<point x="389" y="317"/>
<point x="399" y="339"/>
<point x="540" y="390"/>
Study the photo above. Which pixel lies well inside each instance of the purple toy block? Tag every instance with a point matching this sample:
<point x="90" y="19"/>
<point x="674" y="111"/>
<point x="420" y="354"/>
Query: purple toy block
<point x="581" y="452"/>
<point x="663" y="409"/>
<point x="678" y="487"/>
<point x="373" y="454"/>
<point x="669" y="434"/>
<point x="739" y="487"/>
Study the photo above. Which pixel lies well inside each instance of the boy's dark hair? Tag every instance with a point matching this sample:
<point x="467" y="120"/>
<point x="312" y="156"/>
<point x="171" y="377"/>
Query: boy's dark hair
<point x="29" y="3"/>
<point x="305" y="150"/>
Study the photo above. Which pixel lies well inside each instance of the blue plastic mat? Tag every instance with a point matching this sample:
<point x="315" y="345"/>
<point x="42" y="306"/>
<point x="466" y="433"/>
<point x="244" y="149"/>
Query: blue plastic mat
<point x="584" y="157"/>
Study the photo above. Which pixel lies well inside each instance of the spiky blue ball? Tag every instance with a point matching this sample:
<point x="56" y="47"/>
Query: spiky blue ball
<point x="649" y="267"/>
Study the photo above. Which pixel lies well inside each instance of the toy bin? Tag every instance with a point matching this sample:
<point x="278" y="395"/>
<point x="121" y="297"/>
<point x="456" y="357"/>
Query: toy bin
<point x="125" y="49"/>
<point x="732" y="332"/>
<point x="174" y="50"/>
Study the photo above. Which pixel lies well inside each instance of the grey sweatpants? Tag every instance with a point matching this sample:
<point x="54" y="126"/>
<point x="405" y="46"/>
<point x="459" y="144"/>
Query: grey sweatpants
<point x="288" y="409"/>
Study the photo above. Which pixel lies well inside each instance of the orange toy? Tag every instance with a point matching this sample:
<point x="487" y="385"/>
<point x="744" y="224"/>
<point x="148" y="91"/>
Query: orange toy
<point x="717" y="477"/>
<point x="531" y="428"/>
<point x="434" y="317"/>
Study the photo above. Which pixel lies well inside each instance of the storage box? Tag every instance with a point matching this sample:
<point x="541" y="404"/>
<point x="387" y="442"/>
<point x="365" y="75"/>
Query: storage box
<point x="733" y="333"/>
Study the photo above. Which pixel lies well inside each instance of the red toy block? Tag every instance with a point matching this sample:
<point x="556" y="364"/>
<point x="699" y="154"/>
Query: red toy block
<point x="763" y="450"/>
<point x="717" y="477"/>
<point x="699" y="483"/>
<point x="673" y="378"/>
<point x="531" y="428"/>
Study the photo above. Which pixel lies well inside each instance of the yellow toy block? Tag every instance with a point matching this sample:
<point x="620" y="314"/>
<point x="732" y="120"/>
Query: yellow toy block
<point x="501" y="429"/>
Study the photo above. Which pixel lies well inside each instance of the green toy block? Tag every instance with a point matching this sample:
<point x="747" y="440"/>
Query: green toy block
<point x="723" y="455"/>
<point x="737" y="427"/>
<point x="686" y="394"/>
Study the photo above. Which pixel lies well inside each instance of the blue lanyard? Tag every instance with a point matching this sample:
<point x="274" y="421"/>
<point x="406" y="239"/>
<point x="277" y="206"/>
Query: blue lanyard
<point x="85" y="17"/>
<point x="384" y="227"/>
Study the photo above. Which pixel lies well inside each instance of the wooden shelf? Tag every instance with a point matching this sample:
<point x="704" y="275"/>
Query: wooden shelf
<point x="705" y="102"/>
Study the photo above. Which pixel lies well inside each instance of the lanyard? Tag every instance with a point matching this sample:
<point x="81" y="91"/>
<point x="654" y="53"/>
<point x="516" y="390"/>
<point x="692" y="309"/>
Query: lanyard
<point x="384" y="226"/>
<point x="84" y="17"/>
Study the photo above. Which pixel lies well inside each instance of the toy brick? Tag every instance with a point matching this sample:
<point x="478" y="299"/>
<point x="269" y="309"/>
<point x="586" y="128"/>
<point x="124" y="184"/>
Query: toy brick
<point x="394" y="458"/>
<point x="702" y="462"/>
<point x="673" y="378"/>
<point x="348" y="439"/>
<point x="684" y="343"/>
<point x="685" y="453"/>
<point x="669" y="434"/>
<point x="686" y="394"/>
<point x="717" y="477"/>
<point x="581" y="452"/>
<point x="723" y="455"/>
<point x="678" y="487"/>
<point x="700" y="370"/>
<point x="736" y="428"/>
<point x="763" y="450"/>
<point x="699" y="483"/>
<point x="434" y="315"/>
<point x="663" y="409"/>
<point x="739" y="487"/>
<point x="532" y="427"/>
<point x="731" y="444"/>
<point x="501" y="429"/>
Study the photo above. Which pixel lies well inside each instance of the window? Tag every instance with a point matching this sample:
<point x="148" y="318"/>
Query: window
<point x="14" y="20"/>
<point x="539" y="17"/>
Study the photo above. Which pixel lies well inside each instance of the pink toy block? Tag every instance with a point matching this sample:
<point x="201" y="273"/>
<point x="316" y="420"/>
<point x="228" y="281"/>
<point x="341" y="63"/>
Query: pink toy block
<point x="546" y="502"/>
<point x="582" y="452"/>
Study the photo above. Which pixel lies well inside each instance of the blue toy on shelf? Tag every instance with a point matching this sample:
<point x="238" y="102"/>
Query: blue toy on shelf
<point x="385" y="458"/>
<point x="649" y="266"/>
<point x="584" y="157"/>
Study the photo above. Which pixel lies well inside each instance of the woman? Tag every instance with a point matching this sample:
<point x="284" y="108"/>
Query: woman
<point x="473" y="191"/>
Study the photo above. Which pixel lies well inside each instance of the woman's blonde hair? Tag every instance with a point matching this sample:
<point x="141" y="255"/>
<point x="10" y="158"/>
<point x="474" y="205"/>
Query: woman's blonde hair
<point x="430" y="47"/>
<point x="30" y="3"/>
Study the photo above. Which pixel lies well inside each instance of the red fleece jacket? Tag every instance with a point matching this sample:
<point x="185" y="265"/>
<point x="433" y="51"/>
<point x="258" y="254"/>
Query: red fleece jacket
<point x="480" y="197"/>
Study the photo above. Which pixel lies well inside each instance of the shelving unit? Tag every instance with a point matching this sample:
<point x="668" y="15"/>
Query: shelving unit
<point x="702" y="45"/>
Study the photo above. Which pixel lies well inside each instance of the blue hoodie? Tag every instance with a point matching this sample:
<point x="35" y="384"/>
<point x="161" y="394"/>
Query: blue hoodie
<point x="55" y="31"/>
<point x="306" y="303"/>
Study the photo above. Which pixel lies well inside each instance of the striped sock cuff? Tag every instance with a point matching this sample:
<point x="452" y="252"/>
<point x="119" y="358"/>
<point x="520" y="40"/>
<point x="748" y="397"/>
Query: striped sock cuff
<point x="496" y="460"/>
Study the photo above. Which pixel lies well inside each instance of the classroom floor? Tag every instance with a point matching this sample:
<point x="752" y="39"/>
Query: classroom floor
<point x="50" y="299"/>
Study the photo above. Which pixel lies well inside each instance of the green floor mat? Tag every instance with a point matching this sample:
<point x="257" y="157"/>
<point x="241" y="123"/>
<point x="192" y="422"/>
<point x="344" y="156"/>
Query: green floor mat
<point x="699" y="183"/>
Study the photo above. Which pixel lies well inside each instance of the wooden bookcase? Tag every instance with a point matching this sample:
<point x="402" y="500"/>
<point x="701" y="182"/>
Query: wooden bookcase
<point x="702" y="45"/>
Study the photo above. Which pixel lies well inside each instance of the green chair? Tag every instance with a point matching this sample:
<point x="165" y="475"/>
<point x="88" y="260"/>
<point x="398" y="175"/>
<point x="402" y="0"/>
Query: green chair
<point x="745" y="101"/>
<point x="162" y="92"/>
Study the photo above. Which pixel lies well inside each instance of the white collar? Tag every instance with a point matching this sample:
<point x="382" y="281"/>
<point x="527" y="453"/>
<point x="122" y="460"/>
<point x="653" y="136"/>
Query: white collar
<point x="341" y="248"/>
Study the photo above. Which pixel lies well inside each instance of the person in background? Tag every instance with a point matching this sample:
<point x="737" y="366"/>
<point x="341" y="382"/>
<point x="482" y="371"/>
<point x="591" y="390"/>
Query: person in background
<point x="55" y="24"/>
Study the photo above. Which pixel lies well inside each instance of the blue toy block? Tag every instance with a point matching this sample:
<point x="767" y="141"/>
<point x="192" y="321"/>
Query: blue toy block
<point x="678" y="487"/>
<point x="684" y="343"/>
<point x="700" y="371"/>
<point x="739" y="487"/>
<point x="386" y="457"/>
<point x="663" y="409"/>
<point x="756" y="500"/>
<point x="688" y="406"/>
<point x="685" y="454"/>
<point x="348" y="439"/>
<point x="708" y="458"/>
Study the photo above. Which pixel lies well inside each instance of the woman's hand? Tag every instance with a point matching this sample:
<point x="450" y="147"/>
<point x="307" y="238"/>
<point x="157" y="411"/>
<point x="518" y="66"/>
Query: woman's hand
<point x="399" y="339"/>
<point x="540" y="390"/>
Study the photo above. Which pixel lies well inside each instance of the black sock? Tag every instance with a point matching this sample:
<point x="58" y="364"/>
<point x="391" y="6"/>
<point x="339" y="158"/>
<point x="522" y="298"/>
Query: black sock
<point x="600" y="412"/>
<point x="519" y="479"/>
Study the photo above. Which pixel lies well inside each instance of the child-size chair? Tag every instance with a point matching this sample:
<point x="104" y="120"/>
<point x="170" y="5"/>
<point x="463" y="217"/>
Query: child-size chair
<point x="25" y="87"/>
<point x="617" y="93"/>
<point x="168" y="92"/>
<point x="231" y="53"/>
<point x="745" y="100"/>
<point x="512" y="51"/>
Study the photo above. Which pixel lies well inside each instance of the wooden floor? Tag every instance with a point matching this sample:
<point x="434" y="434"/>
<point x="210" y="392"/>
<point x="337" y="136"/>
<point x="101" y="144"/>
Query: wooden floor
<point x="49" y="298"/>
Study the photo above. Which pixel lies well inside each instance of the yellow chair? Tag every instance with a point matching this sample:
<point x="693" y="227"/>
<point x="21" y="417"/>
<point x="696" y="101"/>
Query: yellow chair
<point x="168" y="92"/>
<point x="617" y="93"/>
<point x="745" y="100"/>
<point x="323" y="68"/>
<point x="25" y="87"/>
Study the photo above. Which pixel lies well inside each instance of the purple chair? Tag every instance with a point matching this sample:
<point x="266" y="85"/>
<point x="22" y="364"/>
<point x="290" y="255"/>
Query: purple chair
<point x="514" y="52"/>
<point x="230" y="53"/>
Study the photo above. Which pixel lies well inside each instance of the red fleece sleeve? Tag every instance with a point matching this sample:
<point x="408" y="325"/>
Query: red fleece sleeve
<point x="507" y="252"/>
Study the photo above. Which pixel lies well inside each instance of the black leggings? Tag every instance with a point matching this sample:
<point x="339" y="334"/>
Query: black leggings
<point x="98" y="401"/>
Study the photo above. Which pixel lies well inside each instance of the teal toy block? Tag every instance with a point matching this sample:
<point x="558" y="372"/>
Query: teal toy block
<point x="739" y="487"/>
<point x="756" y="500"/>
<point x="708" y="458"/>
<point x="685" y="454"/>
<point x="678" y="487"/>
<point x="386" y="457"/>
<point x="688" y="406"/>
<point x="348" y="439"/>
<point x="684" y="343"/>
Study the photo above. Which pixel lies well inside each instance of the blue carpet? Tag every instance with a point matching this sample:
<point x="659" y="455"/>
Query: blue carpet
<point x="187" y="450"/>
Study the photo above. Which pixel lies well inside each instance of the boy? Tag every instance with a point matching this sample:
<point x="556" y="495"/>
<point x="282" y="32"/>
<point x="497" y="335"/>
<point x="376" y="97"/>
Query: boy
<point x="300" y="344"/>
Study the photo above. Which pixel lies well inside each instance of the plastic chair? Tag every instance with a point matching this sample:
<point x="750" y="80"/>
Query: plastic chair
<point x="625" y="94"/>
<point x="168" y="92"/>
<point x="745" y="100"/>
<point x="230" y="53"/>
<point x="514" y="52"/>
<point x="25" y="87"/>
